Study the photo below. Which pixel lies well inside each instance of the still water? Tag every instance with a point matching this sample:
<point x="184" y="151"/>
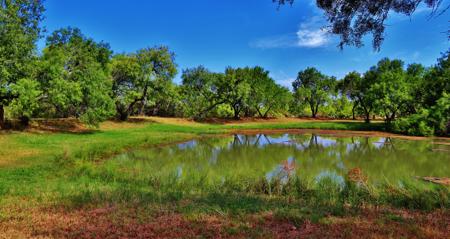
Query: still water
<point x="309" y="156"/>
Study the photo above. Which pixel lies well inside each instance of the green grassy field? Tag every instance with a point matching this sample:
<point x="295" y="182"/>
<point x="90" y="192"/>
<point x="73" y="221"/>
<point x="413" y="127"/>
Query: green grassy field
<point x="62" y="184"/>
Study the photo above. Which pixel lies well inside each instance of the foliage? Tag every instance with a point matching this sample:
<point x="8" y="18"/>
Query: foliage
<point x="72" y="60"/>
<point x="391" y="87"/>
<point x="166" y="100"/>
<point x="338" y="107"/>
<point x="436" y="81"/>
<point x="352" y="20"/>
<point x="235" y="88"/>
<point x="136" y="76"/>
<point x="416" y="124"/>
<point x="19" y="31"/>
<point x="78" y="77"/>
<point x="156" y="64"/>
<point x="200" y="91"/>
<point x="314" y="88"/>
<point x="126" y="85"/>
<point x="25" y="105"/>
<point x="266" y="95"/>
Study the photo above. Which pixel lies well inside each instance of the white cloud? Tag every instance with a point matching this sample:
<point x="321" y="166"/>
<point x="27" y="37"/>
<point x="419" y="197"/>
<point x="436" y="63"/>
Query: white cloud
<point x="311" y="34"/>
<point x="283" y="41"/>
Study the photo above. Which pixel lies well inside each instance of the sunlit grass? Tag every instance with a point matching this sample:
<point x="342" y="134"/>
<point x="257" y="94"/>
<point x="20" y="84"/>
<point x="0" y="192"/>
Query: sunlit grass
<point x="75" y="170"/>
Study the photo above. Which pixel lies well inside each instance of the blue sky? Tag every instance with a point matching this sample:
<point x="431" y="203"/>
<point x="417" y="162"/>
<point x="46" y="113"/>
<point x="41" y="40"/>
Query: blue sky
<point x="238" y="33"/>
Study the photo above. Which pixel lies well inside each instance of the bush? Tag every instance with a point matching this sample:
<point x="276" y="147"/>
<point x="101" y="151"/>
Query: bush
<point x="224" y="111"/>
<point x="417" y="125"/>
<point x="436" y="120"/>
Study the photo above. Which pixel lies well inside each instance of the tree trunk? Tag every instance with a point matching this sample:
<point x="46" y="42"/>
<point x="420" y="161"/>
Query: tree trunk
<point x="353" y="111"/>
<point x="313" y="111"/>
<point x="259" y="112"/>
<point x="236" y="112"/>
<point x="366" y="113"/>
<point x="143" y="101"/>
<point x="2" y="117"/>
<point x="367" y="118"/>
<point x="267" y="113"/>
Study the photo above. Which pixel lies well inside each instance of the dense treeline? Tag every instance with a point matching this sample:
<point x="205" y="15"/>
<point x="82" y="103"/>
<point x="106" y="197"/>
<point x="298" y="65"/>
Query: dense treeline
<point x="75" y="76"/>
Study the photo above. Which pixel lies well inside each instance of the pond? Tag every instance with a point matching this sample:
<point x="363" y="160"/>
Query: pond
<point x="308" y="156"/>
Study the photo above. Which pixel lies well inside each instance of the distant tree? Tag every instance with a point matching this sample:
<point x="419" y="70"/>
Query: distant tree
<point x="429" y="99"/>
<point x="135" y="77"/>
<point x="349" y="87"/>
<point x="360" y="90"/>
<point x="127" y="85"/>
<point x="391" y="87"/>
<point x="265" y="94"/>
<point x="157" y="63"/>
<point x="19" y="31"/>
<point x="200" y="91"/>
<point x="352" y="20"/>
<point x="436" y="81"/>
<point x="26" y="103"/>
<point x="75" y="76"/>
<point x="314" y="88"/>
<point x="415" y="74"/>
<point x="235" y="88"/>
<point x="166" y="100"/>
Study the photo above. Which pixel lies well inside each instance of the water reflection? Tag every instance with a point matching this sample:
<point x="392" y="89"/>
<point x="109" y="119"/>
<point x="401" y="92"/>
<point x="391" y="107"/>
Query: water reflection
<point x="311" y="156"/>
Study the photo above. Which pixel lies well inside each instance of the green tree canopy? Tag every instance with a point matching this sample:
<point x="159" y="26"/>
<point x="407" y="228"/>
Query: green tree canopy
<point x="265" y="94"/>
<point x="200" y="91"/>
<point x="391" y="87"/>
<point x="156" y="63"/>
<point x="127" y="85"/>
<point x="19" y="31"/>
<point x="314" y="88"/>
<point x="75" y="77"/>
<point x="235" y="88"/>
<point x="351" y="20"/>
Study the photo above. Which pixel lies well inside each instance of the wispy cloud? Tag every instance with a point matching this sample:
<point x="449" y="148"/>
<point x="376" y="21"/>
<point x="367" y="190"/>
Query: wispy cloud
<point x="311" y="34"/>
<point x="282" y="41"/>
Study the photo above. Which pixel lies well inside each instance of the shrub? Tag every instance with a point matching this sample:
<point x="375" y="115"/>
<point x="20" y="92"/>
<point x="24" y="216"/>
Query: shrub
<point x="416" y="124"/>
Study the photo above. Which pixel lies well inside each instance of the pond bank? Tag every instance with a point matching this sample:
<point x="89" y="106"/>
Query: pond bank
<point x="55" y="185"/>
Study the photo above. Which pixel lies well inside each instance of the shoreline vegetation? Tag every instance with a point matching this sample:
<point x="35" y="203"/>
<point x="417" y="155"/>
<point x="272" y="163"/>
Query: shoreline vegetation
<point x="63" y="174"/>
<point x="56" y="182"/>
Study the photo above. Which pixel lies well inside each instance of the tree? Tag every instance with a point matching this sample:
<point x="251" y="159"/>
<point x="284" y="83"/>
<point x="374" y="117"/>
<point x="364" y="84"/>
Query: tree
<point x="436" y="81"/>
<point x="415" y="74"/>
<point x="359" y="89"/>
<point x="135" y="76"/>
<point x="156" y="63"/>
<point x="314" y="88"/>
<point x="349" y="87"/>
<point x="200" y="91"/>
<point x="19" y="31"/>
<point x="25" y="105"/>
<point x="351" y="20"/>
<point x="75" y="77"/>
<point x="390" y="86"/>
<point x="265" y="95"/>
<point x="235" y="88"/>
<point x="166" y="100"/>
<point x="127" y="87"/>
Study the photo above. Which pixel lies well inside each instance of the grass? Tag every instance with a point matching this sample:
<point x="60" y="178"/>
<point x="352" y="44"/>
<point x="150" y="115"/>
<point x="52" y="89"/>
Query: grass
<point x="69" y="171"/>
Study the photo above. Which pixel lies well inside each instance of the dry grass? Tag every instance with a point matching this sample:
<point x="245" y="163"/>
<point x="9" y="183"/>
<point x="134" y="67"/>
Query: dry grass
<point x="120" y="222"/>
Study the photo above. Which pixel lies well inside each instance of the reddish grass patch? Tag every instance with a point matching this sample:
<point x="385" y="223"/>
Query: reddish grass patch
<point x="116" y="222"/>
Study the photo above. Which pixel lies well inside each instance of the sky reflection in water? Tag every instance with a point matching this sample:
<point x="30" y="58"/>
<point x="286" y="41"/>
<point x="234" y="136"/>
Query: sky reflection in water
<point x="309" y="156"/>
